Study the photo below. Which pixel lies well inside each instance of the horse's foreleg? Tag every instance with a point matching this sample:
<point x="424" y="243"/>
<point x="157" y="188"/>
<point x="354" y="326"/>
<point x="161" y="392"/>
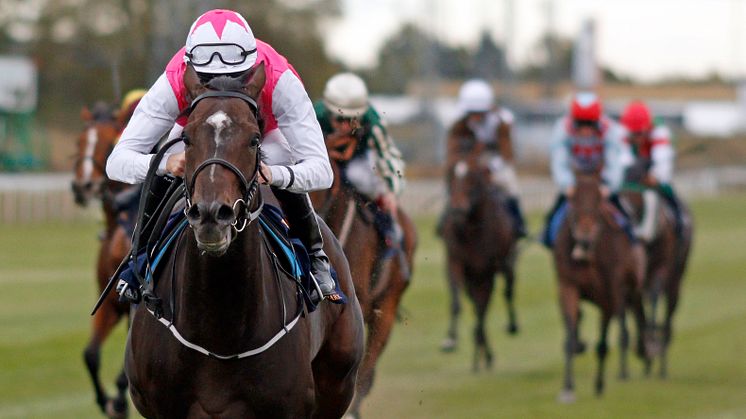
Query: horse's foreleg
<point x="602" y="349"/>
<point x="570" y="305"/>
<point x="509" y="295"/>
<point x="117" y="408"/>
<point x="379" y="330"/>
<point x="672" y="299"/>
<point x="480" y="292"/>
<point x="103" y="323"/>
<point x="455" y="282"/>
<point x="623" y="346"/>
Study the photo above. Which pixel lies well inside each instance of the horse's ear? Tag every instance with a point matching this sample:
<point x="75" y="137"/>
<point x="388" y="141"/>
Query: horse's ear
<point x="85" y="114"/>
<point x="192" y="83"/>
<point x="254" y="80"/>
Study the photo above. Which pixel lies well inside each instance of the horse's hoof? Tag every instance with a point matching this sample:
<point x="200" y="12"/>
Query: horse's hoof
<point x="566" y="397"/>
<point x="513" y="329"/>
<point x="623" y="376"/>
<point x="580" y="347"/>
<point x="116" y="409"/>
<point x="448" y="345"/>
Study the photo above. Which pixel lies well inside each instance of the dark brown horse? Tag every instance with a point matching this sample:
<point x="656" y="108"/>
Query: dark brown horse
<point x="596" y="261"/>
<point x="222" y="291"/>
<point x="480" y="243"/>
<point x="667" y="254"/>
<point x="379" y="284"/>
<point x="94" y="146"/>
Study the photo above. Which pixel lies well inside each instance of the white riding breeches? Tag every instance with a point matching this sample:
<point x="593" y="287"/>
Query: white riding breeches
<point x="502" y="173"/>
<point x="362" y="174"/>
<point x="647" y="228"/>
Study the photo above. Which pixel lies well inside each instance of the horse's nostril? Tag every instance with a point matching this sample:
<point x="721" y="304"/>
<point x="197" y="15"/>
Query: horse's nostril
<point x="194" y="213"/>
<point x="225" y="214"/>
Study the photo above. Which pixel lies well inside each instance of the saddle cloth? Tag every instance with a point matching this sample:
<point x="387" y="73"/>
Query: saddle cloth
<point x="290" y="254"/>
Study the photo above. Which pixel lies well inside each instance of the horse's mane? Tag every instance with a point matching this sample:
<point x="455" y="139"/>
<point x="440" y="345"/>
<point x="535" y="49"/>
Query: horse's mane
<point x="226" y="83"/>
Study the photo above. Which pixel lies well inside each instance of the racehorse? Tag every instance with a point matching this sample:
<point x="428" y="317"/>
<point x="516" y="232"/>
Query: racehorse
<point x="596" y="261"/>
<point x="480" y="243"/>
<point x="94" y="146"/>
<point x="226" y="294"/>
<point x="667" y="255"/>
<point x="379" y="283"/>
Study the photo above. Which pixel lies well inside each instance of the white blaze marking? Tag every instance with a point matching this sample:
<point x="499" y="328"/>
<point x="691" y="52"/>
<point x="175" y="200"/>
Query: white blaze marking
<point x="461" y="169"/>
<point x="90" y="146"/>
<point x="219" y="120"/>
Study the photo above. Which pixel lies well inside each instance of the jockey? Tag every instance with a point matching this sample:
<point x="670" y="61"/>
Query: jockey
<point x="484" y="131"/>
<point x="220" y="42"/>
<point x="357" y="137"/>
<point x="651" y="143"/>
<point x="585" y="139"/>
<point x="129" y="103"/>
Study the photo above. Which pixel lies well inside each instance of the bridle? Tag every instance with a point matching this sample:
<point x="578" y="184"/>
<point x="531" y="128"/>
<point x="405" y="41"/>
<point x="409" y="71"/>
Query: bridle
<point x="251" y="187"/>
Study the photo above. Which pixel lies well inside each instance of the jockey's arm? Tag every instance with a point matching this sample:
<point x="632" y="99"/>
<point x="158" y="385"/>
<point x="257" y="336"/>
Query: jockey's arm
<point x="389" y="161"/>
<point x="662" y="154"/>
<point x="617" y="158"/>
<point x="153" y="117"/>
<point x="504" y="136"/>
<point x="562" y="174"/>
<point x="297" y="121"/>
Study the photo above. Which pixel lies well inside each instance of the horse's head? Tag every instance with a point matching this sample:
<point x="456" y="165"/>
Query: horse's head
<point x="95" y="144"/>
<point x="467" y="187"/>
<point x="586" y="206"/>
<point x="222" y="140"/>
<point x="634" y="181"/>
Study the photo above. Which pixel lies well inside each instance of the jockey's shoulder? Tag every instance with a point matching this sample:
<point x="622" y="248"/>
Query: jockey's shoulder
<point x="660" y="134"/>
<point x="506" y="115"/>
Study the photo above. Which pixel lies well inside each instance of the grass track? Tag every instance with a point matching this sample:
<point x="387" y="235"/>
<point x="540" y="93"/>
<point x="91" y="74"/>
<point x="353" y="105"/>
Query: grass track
<point x="46" y="291"/>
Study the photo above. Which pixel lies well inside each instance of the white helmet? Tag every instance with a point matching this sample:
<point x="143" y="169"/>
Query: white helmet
<point x="220" y="42"/>
<point x="345" y="94"/>
<point x="475" y="96"/>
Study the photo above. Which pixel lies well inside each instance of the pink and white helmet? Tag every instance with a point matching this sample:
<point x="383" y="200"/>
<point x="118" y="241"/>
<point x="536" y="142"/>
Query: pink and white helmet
<point x="220" y="42"/>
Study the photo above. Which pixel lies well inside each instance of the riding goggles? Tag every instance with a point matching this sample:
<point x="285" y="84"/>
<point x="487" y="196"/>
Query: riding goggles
<point x="229" y="54"/>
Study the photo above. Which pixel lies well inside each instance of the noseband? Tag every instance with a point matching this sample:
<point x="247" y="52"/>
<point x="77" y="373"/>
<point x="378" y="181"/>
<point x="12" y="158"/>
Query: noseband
<point x="250" y="187"/>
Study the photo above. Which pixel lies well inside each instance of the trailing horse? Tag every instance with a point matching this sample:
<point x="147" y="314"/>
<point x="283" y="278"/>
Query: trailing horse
<point x="223" y="333"/>
<point x="596" y="261"/>
<point x="380" y="281"/>
<point x="94" y="146"/>
<point x="667" y="254"/>
<point x="480" y="243"/>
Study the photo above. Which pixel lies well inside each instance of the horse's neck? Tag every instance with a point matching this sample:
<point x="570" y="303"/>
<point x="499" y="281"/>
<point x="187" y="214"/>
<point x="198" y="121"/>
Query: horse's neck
<point x="110" y="215"/>
<point x="339" y="207"/>
<point x="227" y="297"/>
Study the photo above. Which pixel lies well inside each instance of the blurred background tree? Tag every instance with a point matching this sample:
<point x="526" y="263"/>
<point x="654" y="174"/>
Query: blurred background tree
<point x="88" y="50"/>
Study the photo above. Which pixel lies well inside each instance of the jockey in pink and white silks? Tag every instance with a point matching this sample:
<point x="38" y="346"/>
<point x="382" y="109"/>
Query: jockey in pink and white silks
<point x="219" y="43"/>
<point x="586" y="140"/>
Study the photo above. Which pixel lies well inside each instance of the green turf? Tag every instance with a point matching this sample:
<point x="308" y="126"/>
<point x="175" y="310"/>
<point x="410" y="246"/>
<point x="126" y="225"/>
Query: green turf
<point x="46" y="291"/>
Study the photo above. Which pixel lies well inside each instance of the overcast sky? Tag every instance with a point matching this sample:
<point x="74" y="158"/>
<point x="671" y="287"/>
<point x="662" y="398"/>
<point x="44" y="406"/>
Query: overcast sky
<point x="647" y="39"/>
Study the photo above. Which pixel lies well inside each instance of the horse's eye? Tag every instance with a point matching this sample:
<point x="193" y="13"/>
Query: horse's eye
<point x="185" y="139"/>
<point x="255" y="140"/>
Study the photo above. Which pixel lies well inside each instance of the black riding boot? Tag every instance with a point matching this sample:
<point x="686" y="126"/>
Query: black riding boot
<point x="515" y="210"/>
<point x="546" y="238"/>
<point x="304" y="226"/>
<point x="673" y="200"/>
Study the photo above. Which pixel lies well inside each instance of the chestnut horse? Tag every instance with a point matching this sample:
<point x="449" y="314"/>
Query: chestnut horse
<point x="480" y="243"/>
<point x="94" y="146"/>
<point x="596" y="261"/>
<point x="379" y="284"/>
<point x="667" y="253"/>
<point x="223" y="290"/>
